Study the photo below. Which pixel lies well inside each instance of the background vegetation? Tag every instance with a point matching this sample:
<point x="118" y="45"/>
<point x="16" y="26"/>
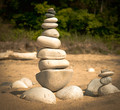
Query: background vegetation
<point x="84" y="25"/>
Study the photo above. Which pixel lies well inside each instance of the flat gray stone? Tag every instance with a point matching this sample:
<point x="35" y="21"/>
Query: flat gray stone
<point x="106" y="80"/>
<point x="108" y="89"/>
<point x="92" y="88"/>
<point x="54" y="79"/>
<point x="50" y="42"/>
<point x="55" y="54"/>
<point x="52" y="12"/>
<point x="105" y="74"/>
<point x="51" y="20"/>
<point x="39" y="94"/>
<point x="49" y="25"/>
<point x="51" y="9"/>
<point x="49" y="15"/>
<point x="51" y="33"/>
<point x="53" y="64"/>
<point x="70" y="92"/>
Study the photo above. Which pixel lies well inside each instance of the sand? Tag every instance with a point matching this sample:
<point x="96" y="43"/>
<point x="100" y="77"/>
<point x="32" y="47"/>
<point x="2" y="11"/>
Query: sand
<point x="12" y="70"/>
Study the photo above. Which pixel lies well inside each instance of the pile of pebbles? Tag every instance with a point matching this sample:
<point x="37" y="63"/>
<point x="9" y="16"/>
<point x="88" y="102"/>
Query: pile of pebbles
<point x="106" y="82"/>
<point x="103" y="86"/>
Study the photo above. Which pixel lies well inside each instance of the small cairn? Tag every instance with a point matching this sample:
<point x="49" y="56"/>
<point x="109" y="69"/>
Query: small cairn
<point x="106" y="82"/>
<point x="54" y="73"/>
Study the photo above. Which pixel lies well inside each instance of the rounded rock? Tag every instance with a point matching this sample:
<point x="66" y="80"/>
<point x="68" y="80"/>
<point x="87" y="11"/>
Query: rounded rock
<point x="106" y="80"/>
<point x="108" y="89"/>
<point x="105" y="74"/>
<point x="51" y="33"/>
<point x="49" y="25"/>
<point x="51" y="20"/>
<point x="51" y="12"/>
<point x="54" y="79"/>
<point x="39" y="94"/>
<point x="50" y="42"/>
<point x="70" y="92"/>
<point x="27" y="81"/>
<point x="53" y="64"/>
<point x="19" y="84"/>
<point x="55" y="54"/>
<point x="49" y="15"/>
<point x="92" y="88"/>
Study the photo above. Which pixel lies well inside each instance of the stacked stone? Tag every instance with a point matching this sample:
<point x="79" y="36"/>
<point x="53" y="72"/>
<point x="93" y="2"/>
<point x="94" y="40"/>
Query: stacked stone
<point x="106" y="82"/>
<point x="53" y="73"/>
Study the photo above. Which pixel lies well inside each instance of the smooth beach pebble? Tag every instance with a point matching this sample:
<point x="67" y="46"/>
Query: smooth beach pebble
<point x="39" y="94"/>
<point x="105" y="74"/>
<point x="54" y="79"/>
<point x="53" y="64"/>
<point x="106" y="80"/>
<point x="50" y="42"/>
<point x="51" y="33"/>
<point x="27" y="81"/>
<point x="108" y="89"/>
<point x="92" y="88"/>
<point x="19" y="84"/>
<point x="51" y="20"/>
<point x="49" y="25"/>
<point x="70" y="92"/>
<point x="55" y="54"/>
<point x="49" y="15"/>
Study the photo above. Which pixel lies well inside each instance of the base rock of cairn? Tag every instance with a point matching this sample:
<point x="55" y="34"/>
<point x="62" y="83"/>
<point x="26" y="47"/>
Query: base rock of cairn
<point x="53" y="73"/>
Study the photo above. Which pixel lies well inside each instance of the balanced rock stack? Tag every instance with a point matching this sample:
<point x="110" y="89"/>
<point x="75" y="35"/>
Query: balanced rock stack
<point x="106" y="80"/>
<point x="53" y="73"/>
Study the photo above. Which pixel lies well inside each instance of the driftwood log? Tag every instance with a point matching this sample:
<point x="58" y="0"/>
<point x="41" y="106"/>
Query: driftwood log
<point x="16" y="55"/>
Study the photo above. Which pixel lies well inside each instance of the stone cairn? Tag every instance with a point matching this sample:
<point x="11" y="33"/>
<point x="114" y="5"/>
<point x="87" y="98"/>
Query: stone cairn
<point x="54" y="73"/>
<point x="106" y="82"/>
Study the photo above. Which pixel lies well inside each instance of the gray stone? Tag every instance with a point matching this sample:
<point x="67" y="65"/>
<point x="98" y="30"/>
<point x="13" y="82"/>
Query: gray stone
<point x="105" y="74"/>
<point x="54" y="79"/>
<point x="51" y="33"/>
<point x="53" y="64"/>
<point x="49" y="15"/>
<point x="50" y="42"/>
<point x="108" y="89"/>
<point x="51" y="9"/>
<point x="92" y="88"/>
<point x="51" y="12"/>
<point x="106" y="80"/>
<point x="39" y="94"/>
<point x="55" y="54"/>
<point x="49" y="25"/>
<point x="51" y="20"/>
<point x="70" y="92"/>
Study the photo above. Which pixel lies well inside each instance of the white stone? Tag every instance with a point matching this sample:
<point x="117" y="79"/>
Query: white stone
<point x="39" y="94"/>
<point x="91" y="70"/>
<point x="51" y="20"/>
<point x="51" y="54"/>
<point x="71" y="92"/>
<point x="49" y="25"/>
<point x="54" y="79"/>
<point x="50" y="42"/>
<point x="105" y="74"/>
<point x="108" y="89"/>
<point x="92" y="88"/>
<point x="51" y="33"/>
<point x="27" y="81"/>
<point x="53" y="64"/>
<point x="106" y="80"/>
<point x="19" y="84"/>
